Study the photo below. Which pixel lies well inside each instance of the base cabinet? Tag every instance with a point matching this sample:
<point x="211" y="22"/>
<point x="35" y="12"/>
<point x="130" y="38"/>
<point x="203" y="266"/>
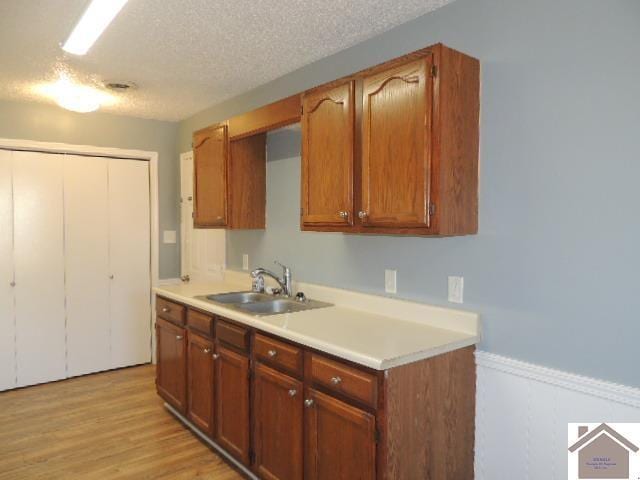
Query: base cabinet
<point x="171" y="380"/>
<point x="278" y="425"/>
<point x="288" y="412"/>
<point x="232" y="405"/>
<point x="200" y="387"/>
<point x="340" y="441"/>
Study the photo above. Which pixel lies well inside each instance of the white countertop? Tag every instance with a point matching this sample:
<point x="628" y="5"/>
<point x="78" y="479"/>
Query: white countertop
<point x="352" y="332"/>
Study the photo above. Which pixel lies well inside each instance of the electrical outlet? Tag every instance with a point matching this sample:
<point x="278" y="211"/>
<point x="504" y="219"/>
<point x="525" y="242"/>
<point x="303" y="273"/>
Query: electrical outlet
<point x="245" y="262"/>
<point x="456" y="289"/>
<point x="390" y="281"/>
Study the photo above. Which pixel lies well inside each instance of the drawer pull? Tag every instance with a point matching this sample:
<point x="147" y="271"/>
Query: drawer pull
<point x="272" y="353"/>
<point x="166" y="310"/>
<point x="308" y="403"/>
<point x="207" y="350"/>
<point x="216" y="356"/>
<point x="179" y="337"/>
<point x="336" y="380"/>
<point x="292" y="392"/>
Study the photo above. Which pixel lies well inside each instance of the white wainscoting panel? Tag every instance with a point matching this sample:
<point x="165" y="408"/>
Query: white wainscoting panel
<point x="523" y="411"/>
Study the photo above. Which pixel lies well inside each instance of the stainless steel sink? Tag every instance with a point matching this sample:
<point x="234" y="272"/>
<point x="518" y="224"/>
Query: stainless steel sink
<point x="273" y="307"/>
<point x="239" y="297"/>
<point x="261" y="304"/>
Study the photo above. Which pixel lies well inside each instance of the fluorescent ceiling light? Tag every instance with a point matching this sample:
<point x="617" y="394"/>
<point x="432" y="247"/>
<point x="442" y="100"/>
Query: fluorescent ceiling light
<point x="75" y="97"/>
<point x="94" y="21"/>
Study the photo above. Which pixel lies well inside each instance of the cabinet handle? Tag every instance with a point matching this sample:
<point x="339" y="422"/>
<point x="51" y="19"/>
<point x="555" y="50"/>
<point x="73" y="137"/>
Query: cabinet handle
<point x="308" y="403"/>
<point x="111" y="277"/>
<point x="336" y="380"/>
<point x="343" y="214"/>
<point x="292" y="392"/>
<point x="362" y="214"/>
<point x="272" y="353"/>
<point x="179" y="337"/>
<point x="166" y="310"/>
<point x="12" y="284"/>
<point x="207" y="350"/>
<point x="216" y="356"/>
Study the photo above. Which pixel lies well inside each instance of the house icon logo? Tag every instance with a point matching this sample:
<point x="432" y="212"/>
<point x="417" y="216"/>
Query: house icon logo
<point x="602" y="452"/>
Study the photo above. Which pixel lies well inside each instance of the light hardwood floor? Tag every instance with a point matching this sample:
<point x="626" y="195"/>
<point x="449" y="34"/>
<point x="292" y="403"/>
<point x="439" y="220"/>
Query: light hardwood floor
<point x="105" y="426"/>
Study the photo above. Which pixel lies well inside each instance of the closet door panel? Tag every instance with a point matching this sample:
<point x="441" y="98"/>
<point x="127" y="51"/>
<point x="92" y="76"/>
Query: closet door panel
<point x="39" y="267"/>
<point x="129" y="247"/>
<point x="86" y="210"/>
<point x="7" y="316"/>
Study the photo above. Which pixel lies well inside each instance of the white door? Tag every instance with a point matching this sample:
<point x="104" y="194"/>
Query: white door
<point x="202" y="250"/>
<point x="39" y="267"/>
<point x="130" y="262"/>
<point x="86" y="213"/>
<point x="7" y="317"/>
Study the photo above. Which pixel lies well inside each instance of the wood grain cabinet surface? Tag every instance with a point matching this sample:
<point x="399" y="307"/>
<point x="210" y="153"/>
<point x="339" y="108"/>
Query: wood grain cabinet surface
<point x="229" y="179"/>
<point x="200" y="389"/>
<point x="328" y="125"/>
<point x="232" y="405"/>
<point x="278" y="425"/>
<point x="171" y="378"/>
<point x="414" y="144"/>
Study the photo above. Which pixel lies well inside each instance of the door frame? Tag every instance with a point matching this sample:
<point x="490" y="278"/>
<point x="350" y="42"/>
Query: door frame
<point x="113" y="152"/>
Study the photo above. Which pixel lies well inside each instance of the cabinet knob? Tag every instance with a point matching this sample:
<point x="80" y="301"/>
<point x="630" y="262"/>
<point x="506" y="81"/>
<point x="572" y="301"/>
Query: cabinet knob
<point x="272" y="353"/>
<point x="166" y="310"/>
<point x="216" y="356"/>
<point x="12" y="284"/>
<point x="308" y="403"/>
<point x="207" y="350"/>
<point x="343" y="214"/>
<point x="292" y="392"/>
<point x="111" y="277"/>
<point x="336" y="380"/>
<point x="179" y="337"/>
<point x="362" y="214"/>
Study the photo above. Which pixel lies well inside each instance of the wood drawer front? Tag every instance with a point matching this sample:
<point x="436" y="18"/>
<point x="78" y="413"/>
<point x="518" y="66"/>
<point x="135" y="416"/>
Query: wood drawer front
<point x="343" y="379"/>
<point x="278" y="353"/>
<point x="232" y="334"/>
<point x="174" y="312"/>
<point x="200" y="322"/>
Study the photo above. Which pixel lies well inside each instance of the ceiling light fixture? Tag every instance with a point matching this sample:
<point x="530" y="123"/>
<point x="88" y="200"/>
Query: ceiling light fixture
<point x="75" y="97"/>
<point x="93" y="22"/>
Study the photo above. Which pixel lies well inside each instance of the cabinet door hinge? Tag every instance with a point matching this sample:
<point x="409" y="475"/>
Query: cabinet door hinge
<point x="432" y="209"/>
<point x="193" y="214"/>
<point x="249" y="374"/>
<point x="376" y="435"/>
<point x="434" y="71"/>
<point x="301" y="109"/>
<point x="301" y="211"/>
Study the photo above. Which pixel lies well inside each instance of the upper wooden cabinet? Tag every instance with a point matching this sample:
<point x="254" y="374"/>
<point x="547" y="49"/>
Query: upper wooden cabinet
<point x="230" y="179"/>
<point x="396" y="149"/>
<point x="210" y="155"/>
<point x="415" y="167"/>
<point x="328" y="124"/>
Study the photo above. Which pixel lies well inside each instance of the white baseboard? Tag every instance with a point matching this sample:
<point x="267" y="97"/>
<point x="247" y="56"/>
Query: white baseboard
<point x="522" y="414"/>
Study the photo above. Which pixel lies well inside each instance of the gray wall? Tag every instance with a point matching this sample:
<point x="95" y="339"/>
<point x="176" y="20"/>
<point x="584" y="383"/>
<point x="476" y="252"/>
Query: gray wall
<point x="554" y="268"/>
<point x="33" y="121"/>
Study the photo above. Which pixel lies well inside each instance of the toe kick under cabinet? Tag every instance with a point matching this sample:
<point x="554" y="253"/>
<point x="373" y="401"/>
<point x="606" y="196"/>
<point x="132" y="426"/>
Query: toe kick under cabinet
<point x="289" y="412"/>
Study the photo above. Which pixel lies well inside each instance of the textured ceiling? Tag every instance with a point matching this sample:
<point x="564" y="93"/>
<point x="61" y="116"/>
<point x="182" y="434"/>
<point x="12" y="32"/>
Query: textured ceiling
<point x="186" y="55"/>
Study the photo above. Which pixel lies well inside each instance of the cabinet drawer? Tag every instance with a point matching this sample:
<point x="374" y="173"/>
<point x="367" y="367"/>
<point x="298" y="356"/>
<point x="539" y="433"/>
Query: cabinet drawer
<point x="278" y="353"/>
<point x="169" y="310"/>
<point x="200" y="322"/>
<point x="349" y="381"/>
<point x="232" y="334"/>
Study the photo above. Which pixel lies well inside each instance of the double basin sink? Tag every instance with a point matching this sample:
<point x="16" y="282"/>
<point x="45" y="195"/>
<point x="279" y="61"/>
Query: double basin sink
<point x="261" y="304"/>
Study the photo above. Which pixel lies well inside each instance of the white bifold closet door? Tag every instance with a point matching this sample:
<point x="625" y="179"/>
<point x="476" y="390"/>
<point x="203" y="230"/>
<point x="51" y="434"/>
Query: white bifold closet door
<point x="130" y="262"/>
<point x="7" y="315"/>
<point x="39" y="292"/>
<point x="86" y="210"/>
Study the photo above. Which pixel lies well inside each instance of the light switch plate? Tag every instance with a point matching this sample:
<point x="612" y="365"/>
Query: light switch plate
<point x="245" y="262"/>
<point x="169" y="236"/>
<point x="456" y="289"/>
<point x="390" y="281"/>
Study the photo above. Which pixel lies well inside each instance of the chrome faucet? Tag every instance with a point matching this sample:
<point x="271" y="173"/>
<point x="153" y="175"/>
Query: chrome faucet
<point x="285" y="282"/>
